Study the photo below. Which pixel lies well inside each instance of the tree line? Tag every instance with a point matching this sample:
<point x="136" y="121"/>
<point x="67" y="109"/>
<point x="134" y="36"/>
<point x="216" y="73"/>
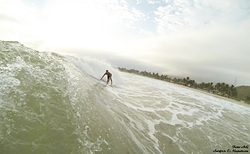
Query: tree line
<point x="220" y="88"/>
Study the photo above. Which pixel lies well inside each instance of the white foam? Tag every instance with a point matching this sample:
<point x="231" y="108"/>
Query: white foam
<point x="152" y="131"/>
<point x="197" y="108"/>
<point x="96" y="68"/>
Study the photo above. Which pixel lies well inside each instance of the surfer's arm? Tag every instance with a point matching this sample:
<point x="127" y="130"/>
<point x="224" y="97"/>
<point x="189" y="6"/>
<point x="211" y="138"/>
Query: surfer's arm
<point x="103" y="75"/>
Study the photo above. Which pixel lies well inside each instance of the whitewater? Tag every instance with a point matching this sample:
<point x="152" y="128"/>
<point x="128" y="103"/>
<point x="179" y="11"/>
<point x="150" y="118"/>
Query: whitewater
<point x="56" y="104"/>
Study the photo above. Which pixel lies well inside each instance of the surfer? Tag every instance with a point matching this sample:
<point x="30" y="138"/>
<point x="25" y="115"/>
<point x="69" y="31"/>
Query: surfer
<point x="109" y="76"/>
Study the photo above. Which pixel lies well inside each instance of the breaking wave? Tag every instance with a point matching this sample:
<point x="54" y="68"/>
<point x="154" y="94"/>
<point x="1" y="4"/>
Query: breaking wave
<point x="50" y="103"/>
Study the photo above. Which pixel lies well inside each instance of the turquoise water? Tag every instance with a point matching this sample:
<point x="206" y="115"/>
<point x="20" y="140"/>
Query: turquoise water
<point x="55" y="104"/>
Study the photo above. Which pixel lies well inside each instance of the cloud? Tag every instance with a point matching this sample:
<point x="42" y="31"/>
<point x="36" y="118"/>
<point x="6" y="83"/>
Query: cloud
<point x="69" y="23"/>
<point x="207" y="40"/>
<point x="180" y="15"/>
<point x="20" y="22"/>
<point x="218" y="53"/>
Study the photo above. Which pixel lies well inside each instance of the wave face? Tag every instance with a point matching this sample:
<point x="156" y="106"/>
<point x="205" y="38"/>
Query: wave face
<point x="51" y="103"/>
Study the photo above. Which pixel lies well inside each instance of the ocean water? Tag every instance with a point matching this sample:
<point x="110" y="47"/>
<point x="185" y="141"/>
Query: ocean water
<point x="55" y="104"/>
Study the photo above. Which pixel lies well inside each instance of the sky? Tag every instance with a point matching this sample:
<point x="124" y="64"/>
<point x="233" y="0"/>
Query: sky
<point x="205" y="40"/>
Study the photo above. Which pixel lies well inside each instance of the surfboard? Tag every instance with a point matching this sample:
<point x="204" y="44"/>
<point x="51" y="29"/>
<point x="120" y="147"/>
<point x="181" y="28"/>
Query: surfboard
<point x="102" y="82"/>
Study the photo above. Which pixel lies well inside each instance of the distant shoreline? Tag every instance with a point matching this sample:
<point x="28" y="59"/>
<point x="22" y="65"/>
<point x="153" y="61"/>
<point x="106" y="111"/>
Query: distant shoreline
<point x="220" y="90"/>
<point x="217" y="96"/>
<point x="208" y="93"/>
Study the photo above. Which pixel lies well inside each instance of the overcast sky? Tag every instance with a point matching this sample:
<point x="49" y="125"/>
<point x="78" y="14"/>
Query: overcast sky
<point x="207" y="40"/>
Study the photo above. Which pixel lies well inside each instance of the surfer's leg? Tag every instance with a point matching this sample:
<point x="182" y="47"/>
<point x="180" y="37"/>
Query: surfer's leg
<point x="109" y="78"/>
